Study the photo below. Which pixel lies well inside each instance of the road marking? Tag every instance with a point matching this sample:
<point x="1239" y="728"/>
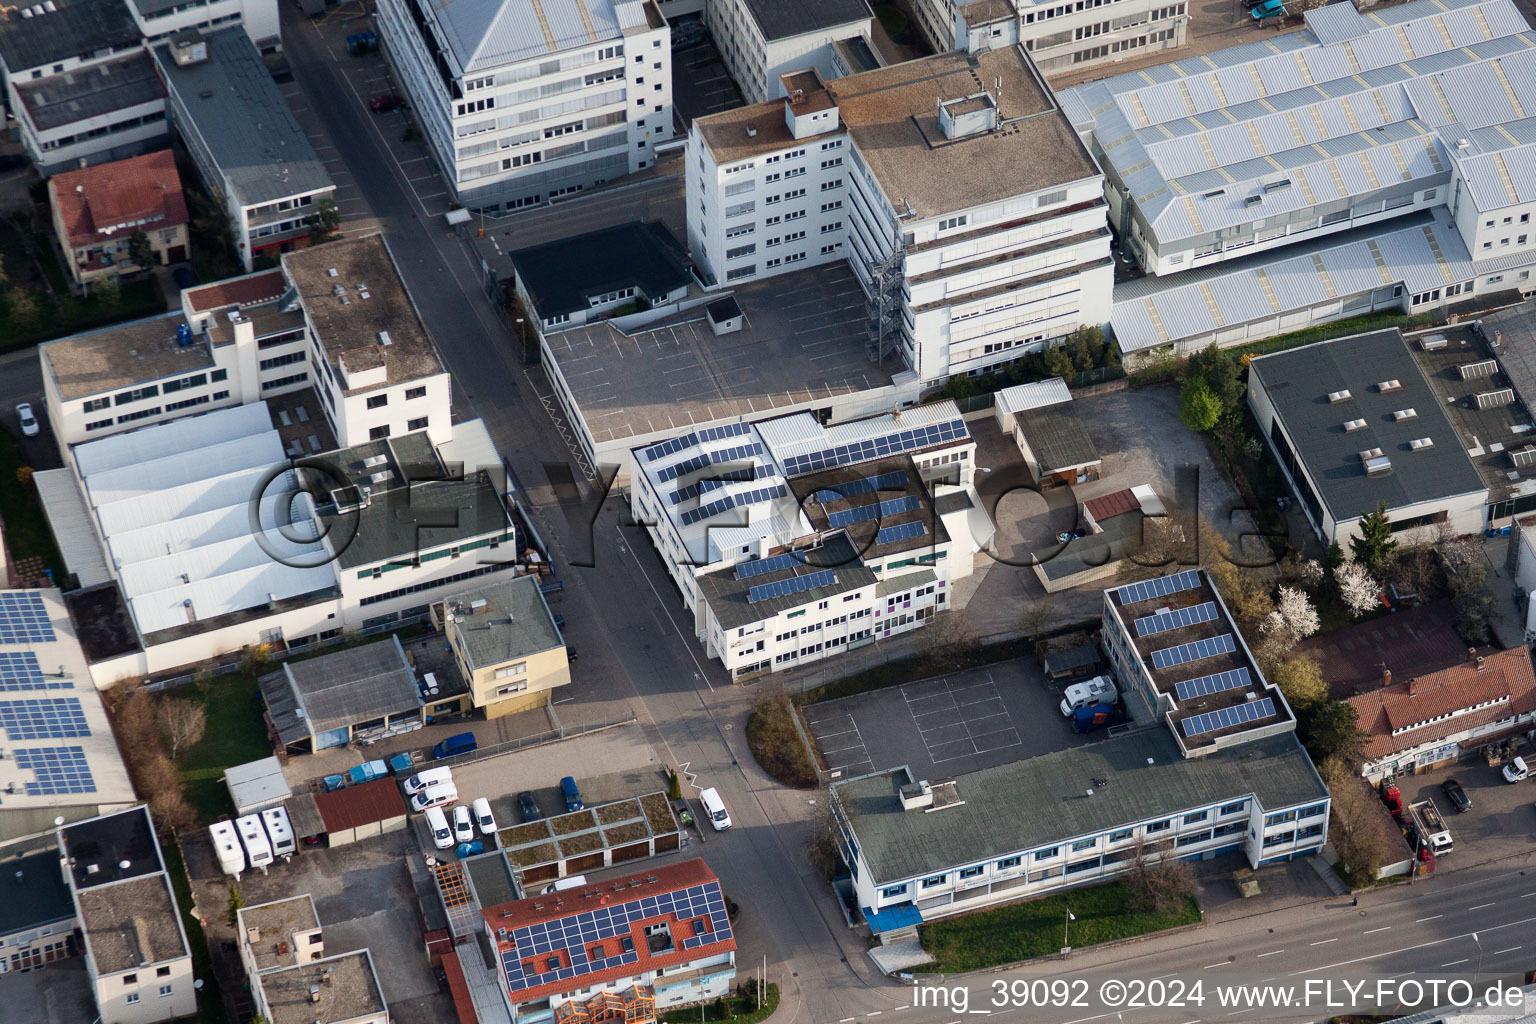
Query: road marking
<point x="1423" y="919"/>
<point x="1528" y="894"/>
<point x="1168" y="975"/>
<point x="876" y="1013"/>
<point x="1273" y="952"/>
<point x="1480" y="906"/>
<point x="1209" y="966"/>
<point x="1405" y="949"/>
<point x="1234" y="1013"/>
<point x="1384" y="928"/>
<point x="1511" y="949"/>
<point x="1453" y="963"/>
<point x="1325" y="942"/>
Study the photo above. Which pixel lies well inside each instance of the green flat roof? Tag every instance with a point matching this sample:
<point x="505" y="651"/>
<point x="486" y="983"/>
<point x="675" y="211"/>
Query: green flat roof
<point x="1042" y="801"/>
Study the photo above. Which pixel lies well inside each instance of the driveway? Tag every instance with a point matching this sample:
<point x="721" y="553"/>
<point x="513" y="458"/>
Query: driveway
<point x="1502" y="821"/>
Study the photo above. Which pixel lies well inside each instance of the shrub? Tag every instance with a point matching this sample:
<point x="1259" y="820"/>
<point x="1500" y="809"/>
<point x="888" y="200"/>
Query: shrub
<point x="777" y="745"/>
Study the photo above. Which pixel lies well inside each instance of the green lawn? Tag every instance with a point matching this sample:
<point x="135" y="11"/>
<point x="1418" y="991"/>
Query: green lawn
<point x="210" y="1006"/>
<point x="26" y="528"/>
<point x="236" y="734"/>
<point x="743" y="1009"/>
<point x="1020" y="931"/>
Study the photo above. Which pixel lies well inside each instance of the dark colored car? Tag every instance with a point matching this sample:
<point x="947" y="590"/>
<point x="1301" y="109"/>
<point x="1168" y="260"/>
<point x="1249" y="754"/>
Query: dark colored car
<point x="386" y="102"/>
<point x="1456" y="795"/>
<point x="559" y="621"/>
<point x="184" y="278"/>
<point x="529" y="809"/>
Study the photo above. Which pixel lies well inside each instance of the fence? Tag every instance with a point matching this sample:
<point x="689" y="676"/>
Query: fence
<point x="1088" y="382"/>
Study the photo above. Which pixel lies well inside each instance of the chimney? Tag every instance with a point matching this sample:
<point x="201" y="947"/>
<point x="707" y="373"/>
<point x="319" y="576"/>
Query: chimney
<point x="1480" y="665"/>
<point x="1386" y="676"/>
<point x="1471" y="653"/>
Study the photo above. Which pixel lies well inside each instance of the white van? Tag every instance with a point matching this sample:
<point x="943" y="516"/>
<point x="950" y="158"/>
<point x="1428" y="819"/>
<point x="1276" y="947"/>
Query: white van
<point x="226" y="842"/>
<point x="483" y="816"/>
<point x="279" y="830"/>
<point x="714" y="807"/>
<point x="569" y="882"/>
<point x="258" y="851"/>
<point x="1098" y="690"/>
<point x="437" y="823"/>
<point x="435" y="796"/>
<point x="431" y="777"/>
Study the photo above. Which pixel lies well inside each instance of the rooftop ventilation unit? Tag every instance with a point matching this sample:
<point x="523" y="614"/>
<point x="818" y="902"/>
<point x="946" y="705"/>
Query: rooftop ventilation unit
<point x="1494" y="399"/>
<point x="1420" y="443"/>
<point x="1486" y="368"/>
<point x="1213" y="195"/>
<point x="1278" y="186"/>
<point x="1405" y="414"/>
<point x="1389" y="385"/>
<point x="384" y="338"/>
<point x="1433" y="343"/>
<point x="1524" y="457"/>
<point x="1338" y="396"/>
<point x="1353" y="425"/>
<point x="1379" y="466"/>
<point x="330" y="272"/>
<point x="1253" y="200"/>
<point x="375" y="460"/>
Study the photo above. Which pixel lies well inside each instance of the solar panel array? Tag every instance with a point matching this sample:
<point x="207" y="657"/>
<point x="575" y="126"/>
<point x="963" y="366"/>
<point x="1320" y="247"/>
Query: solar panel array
<point x="1162" y="622"/>
<point x="734" y="454"/>
<point x="19" y="670"/>
<point x="864" y="513"/>
<point x="893" y="443"/>
<point x="24" y="618"/>
<point x="677" y="444"/>
<point x="731" y="501"/>
<point x="1239" y="714"/>
<point x="1171" y="656"/>
<point x="906" y="531"/>
<point x="720" y="479"/>
<point x="1131" y="593"/>
<point x="576" y="934"/>
<point x="43" y="718"/>
<point x="58" y="770"/>
<point x="762" y="566"/>
<point x="895" y="480"/>
<point x="1220" y="682"/>
<point x="792" y="585"/>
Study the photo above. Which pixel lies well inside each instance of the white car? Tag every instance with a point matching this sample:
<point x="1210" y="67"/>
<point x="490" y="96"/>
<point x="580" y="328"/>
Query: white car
<point x="1516" y="771"/>
<point x="463" y="825"/>
<point x="29" y="425"/>
<point x="483" y="816"/>
<point x="714" y="807"/>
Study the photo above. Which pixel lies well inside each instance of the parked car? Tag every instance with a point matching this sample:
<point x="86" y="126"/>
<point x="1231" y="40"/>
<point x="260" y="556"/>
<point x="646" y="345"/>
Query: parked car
<point x="463" y="824"/>
<point x="28" y="421"/>
<point x="714" y="807"/>
<point x="459" y="743"/>
<point x="483" y="816"/>
<point x="559" y="621"/>
<point x="385" y="102"/>
<point x="529" y="809"/>
<point x="427" y="777"/>
<point x="440" y="795"/>
<point x="1456" y="795"/>
<point x="437" y="824"/>
<point x="1268" y="9"/>
<point x="571" y="793"/>
<point x="1516" y="771"/>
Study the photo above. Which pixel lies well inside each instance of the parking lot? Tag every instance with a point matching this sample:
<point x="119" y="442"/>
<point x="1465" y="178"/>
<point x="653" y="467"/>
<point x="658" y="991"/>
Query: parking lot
<point x="59" y="993"/>
<point x="944" y="726"/>
<point x="1502" y="821"/>
<point x="700" y="83"/>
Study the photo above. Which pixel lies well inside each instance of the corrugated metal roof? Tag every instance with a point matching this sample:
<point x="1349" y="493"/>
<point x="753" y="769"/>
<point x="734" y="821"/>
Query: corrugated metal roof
<point x="1336" y="23"/>
<point x="1033" y="396"/>
<point x="485" y="34"/>
<point x="70" y="522"/>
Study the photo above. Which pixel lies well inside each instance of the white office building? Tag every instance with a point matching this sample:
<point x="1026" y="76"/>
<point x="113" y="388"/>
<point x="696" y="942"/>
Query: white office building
<point x="953" y="187"/>
<point x="759" y="40"/>
<point x="1060" y="34"/>
<point x="523" y="103"/>
<point x="791" y="542"/>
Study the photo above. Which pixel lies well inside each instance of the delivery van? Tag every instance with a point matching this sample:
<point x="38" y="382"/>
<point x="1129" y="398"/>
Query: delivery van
<point x="437" y="824"/>
<point x="435" y="796"/>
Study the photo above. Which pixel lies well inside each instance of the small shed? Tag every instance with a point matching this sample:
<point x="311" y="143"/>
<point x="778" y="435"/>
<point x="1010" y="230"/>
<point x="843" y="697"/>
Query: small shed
<point x="360" y="693"/>
<point x="1022" y="397"/>
<point x="304" y="817"/>
<point x="724" y="316"/>
<point x="359" y="812"/>
<point x="256" y="786"/>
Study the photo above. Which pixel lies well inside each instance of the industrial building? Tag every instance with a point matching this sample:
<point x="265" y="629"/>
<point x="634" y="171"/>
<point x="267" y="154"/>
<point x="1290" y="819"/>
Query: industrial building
<point x="523" y="103"/>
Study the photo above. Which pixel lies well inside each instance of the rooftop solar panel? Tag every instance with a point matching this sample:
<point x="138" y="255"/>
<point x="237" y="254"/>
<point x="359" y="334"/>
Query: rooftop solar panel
<point x="1133" y="593"/>
<point x="19" y="670"/>
<point x="24" y="618"/>
<point x="58" y="770"/>
<point x="37" y="718"/>
<point x="762" y="566"/>
<point x="893" y="443"/>
<point x="1162" y="622"/>
<point x="905" y="531"/>
<point x="1196" y="651"/>
<point x="1239" y="714"/>
<point x="1220" y="682"/>
<point x="793" y="585"/>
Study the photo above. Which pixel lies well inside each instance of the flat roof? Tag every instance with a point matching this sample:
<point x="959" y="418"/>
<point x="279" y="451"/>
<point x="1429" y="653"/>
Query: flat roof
<point x="781" y="19"/>
<point x="802" y="340"/>
<point x="561" y="275"/>
<point x="352" y="328"/>
<point x="98" y="847"/>
<point x="347" y="985"/>
<point x="729" y="595"/>
<point x="275" y="925"/>
<point x="483" y="34"/>
<point x="113" y="358"/>
<point x="87" y="92"/>
<point x="1081" y="554"/>
<point x="73" y="27"/>
<point x="1145" y="778"/>
<point x="1298" y="383"/>
<point x="1058" y="437"/>
<point x="340" y="689"/>
<point x="898" y="517"/>
<point x="513" y="622"/>
<point x="131" y="924"/>
<point x="35" y="894"/>
<point x="402" y="523"/>
<point x="225" y="96"/>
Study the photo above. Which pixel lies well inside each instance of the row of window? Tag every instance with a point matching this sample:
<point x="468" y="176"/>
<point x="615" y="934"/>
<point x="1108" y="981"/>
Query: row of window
<point x="380" y="401"/>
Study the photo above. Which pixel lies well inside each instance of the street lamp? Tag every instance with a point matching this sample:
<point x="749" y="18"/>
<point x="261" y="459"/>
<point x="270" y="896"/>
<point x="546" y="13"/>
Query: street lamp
<point x="522" y="338"/>
<point x="1065" y="925"/>
<point x="1479" y="972"/>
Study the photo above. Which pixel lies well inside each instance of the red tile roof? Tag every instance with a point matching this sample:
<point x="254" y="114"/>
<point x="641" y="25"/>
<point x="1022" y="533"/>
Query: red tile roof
<point x="1108" y="506"/>
<point x="110" y="200"/>
<point x="237" y="291"/>
<point x="1505" y="677"/>
<point x="458" y="988"/>
<point x="573" y="902"/>
<point x="363" y="804"/>
<point x="1415" y="641"/>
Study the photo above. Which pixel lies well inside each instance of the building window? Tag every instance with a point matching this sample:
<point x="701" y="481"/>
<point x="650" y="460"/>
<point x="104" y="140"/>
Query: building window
<point x="1157" y="826"/>
<point x="130" y="979"/>
<point x="378" y="401"/>
<point x="162" y="972"/>
<point x="411" y="393"/>
<point x="1121" y="835"/>
<point x="894" y="890"/>
<point x="165" y="990"/>
<point x="1234" y="808"/>
<point x="1084" y="844"/>
<point x="971" y="872"/>
<point x="420" y="423"/>
<point x="378" y="433"/>
<point x="1195" y="818"/>
<point x="1009" y="862"/>
<point x="218" y="375"/>
<point x="512" y="670"/>
<point x="97" y="404"/>
<point x="1047" y="854"/>
<point x="132" y="998"/>
<point x="934" y="881"/>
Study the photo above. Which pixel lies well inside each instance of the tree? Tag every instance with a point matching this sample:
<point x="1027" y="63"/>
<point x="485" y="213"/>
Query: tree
<point x="1308" y="572"/>
<point x="1300" y="678"/>
<point x="183" y="722"/>
<point x="1199" y="408"/>
<point x="1036" y="617"/>
<point x="1374" y="545"/>
<point x="1357" y="590"/>
<point x="1221" y="371"/>
<point x="24" y="476"/>
<point x="1157" y="882"/>
<point x="1331" y="729"/>
<point x="141" y="251"/>
<point x="1333" y="557"/>
<point x="324" y="221"/>
<point x="674" y="785"/>
<point x="1361" y="842"/>
<point x="1296" y="613"/>
<point x="1058" y="363"/>
<point x="236" y="903"/>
